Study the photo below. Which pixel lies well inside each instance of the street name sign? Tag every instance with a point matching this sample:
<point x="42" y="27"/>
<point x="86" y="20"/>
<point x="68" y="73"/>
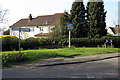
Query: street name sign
<point x="21" y="29"/>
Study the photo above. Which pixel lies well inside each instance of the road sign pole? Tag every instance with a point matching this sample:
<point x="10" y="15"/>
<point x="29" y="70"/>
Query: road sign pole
<point x="69" y="28"/>
<point x="19" y="39"/>
<point x="69" y="39"/>
<point x="23" y="30"/>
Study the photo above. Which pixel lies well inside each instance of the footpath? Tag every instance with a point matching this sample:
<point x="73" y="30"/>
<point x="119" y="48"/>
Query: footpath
<point x="65" y="61"/>
<point x="75" y="60"/>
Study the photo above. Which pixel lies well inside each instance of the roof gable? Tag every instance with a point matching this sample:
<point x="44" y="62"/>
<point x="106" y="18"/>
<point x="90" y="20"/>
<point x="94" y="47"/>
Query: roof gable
<point x="45" y="20"/>
<point x="115" y="30"/>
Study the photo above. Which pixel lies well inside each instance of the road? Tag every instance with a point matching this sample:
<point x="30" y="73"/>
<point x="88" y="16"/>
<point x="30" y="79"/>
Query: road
<point x="97" y="69"/>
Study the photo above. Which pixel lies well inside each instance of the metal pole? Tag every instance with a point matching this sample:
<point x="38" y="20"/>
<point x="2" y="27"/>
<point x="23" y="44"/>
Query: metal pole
<point x="69" y="38"/>
<point x="19" y="39"/>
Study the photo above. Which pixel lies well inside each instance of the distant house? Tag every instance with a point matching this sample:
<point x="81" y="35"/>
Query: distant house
<point x="115" y="31"/>
<point x="39" y="26"/>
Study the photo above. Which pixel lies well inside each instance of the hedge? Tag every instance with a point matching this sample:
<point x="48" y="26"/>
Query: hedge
<point x="11" y="43"/>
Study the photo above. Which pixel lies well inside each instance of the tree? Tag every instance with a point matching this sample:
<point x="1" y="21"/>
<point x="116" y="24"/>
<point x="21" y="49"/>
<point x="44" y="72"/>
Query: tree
<point x="77" y="18"/>
<point x="2" y="15"/>
<point x="2" y="18"/>
<point x="60" y="30"/>
<point x="7" y="32"/>
<point x="65" y="19"/>
<point x="96" y="19"/>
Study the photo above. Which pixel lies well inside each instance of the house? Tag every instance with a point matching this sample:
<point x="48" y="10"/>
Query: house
<point x="115" y="31"/>
<point x="39" y="26"/>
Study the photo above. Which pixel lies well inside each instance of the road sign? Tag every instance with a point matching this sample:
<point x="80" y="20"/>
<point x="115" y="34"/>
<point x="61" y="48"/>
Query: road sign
<point x="69" y="26"/>
<point x="21" y="29"/>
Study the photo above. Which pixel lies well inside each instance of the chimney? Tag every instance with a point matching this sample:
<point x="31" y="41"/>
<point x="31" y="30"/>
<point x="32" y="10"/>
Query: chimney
<point x="30" y="17"/>
<point x="117" y="25"/>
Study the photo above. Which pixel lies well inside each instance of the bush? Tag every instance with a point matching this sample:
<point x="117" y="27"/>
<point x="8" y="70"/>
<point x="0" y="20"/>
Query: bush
<point x="86" y="42"/>
<point x="9" y="43"/>
<point x="1" y="36"/>
<point x="30" y="43"/>
<point x="7" y="32"/>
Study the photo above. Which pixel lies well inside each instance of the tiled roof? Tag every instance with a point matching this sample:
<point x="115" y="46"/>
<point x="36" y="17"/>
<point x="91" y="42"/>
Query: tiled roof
<point x="39" y="21"/>
<point x="115" y="30"/>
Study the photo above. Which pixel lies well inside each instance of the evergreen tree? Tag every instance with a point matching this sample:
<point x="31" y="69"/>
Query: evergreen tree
<point x="77" y="18"/>
<point x="65" y="19"/>
<point x="96" y="19"/>
<point x="60" y="30"/>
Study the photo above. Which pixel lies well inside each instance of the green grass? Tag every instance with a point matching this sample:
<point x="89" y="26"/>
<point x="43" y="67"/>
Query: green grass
<point x="9" y="57"/>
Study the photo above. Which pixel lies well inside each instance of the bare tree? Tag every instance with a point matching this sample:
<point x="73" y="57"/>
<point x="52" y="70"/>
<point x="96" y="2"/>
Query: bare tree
<point x="2" y="14"/>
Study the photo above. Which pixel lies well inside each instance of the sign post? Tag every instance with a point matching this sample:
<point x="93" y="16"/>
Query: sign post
<point x="19" y="40"/>
<point x="69" y="39"/>
<point x="69" y="28"/>
<point x="21" y="29"/>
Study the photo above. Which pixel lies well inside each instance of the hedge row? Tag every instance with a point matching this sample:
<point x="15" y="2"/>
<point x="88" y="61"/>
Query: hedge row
<point x="11" y="43"/>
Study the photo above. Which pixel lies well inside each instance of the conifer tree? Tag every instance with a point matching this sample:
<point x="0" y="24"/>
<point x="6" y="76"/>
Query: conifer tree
<point x="77" y="18"/>
<point x="96" y="19"/>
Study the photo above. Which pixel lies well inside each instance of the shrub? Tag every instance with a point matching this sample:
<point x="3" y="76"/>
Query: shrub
<point x="2" y="36"/>
<point x="7" y="32"/>
<point x="9" y="43"/>
<point x="30" y="43"/>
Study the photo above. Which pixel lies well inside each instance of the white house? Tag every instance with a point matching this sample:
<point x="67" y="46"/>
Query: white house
<point x="115" y="31"/>
<point x="39" y="26"/>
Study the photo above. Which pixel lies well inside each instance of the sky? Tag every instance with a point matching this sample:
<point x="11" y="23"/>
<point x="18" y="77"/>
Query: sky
<point x="18" y="9"/>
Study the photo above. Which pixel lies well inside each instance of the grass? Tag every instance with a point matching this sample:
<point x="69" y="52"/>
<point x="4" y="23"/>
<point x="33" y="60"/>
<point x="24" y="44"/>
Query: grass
<point x="9" y="57"/>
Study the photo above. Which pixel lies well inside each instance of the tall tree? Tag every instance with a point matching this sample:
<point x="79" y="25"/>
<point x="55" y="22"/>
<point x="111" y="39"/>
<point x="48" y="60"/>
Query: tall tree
<point x="96" y="19"/>
<point x="60" y="30"/>
<point x="77" y="18"/>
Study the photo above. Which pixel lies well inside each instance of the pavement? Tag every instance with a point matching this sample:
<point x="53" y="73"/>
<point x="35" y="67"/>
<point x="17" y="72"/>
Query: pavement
<point x="75" y="60"/>
<point x="95" y="66"/>
<point x="65" y="61"/>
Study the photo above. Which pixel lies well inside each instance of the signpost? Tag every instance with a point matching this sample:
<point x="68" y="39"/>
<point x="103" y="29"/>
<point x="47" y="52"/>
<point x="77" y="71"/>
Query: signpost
<point x="69" y="28"/>
<point x="21" y="29"/>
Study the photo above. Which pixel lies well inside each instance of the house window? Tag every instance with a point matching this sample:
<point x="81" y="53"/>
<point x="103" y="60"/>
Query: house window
<point x="37" y="26"/>
<point x="33" y="28"/>
<point x="49" y="29"/>
<point x="41" y="28"/>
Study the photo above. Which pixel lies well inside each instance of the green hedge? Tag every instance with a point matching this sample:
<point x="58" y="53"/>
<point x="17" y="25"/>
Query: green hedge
<point x="10" y="43"/>
<point x="85" y="42"/>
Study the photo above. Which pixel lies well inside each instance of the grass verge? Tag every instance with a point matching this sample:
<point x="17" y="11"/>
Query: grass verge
<point x="13" y="57"/>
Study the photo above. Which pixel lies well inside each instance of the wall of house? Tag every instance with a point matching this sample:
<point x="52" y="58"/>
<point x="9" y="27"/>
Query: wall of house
<point x="34" y="30"/>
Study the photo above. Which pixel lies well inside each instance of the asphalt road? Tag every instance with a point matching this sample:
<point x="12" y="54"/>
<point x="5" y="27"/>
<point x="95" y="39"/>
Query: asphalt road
<point x="97" y="69"/>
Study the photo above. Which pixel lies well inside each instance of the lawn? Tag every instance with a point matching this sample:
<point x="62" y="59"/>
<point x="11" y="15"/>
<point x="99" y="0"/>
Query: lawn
<point x="12" y="57"/>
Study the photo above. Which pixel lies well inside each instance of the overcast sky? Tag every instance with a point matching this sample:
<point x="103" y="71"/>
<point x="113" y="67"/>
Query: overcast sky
<point x="19" y="9"/>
